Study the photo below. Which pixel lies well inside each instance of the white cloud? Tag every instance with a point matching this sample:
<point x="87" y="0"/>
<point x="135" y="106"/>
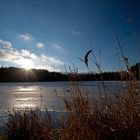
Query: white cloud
<point x="75" y="32"/>
<point x="56" y="46"/>
<point x="25" y="53"/>
<point x="33" y="56"/>
<point x="40" y="45"/>
<point x="9" y="55"/>
<point x="26" y="59"/>
<point x="25" y="37"/>
<point x="43" y="58"/>
<point x="28" y="38"/>
<point x="5" y="44"/>
<point x="51" y="60"/>
<point x="49" y="68"/>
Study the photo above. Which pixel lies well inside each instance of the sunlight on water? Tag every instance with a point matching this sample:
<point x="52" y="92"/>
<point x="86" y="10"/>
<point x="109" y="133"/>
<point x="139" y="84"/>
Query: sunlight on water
<point x="26" y="102"/>
<point x="33" y="89"/>
<point x="27" y="97"/>
<point x="26" y="89"/>
<point x="24" y="105"/>
<point x="19" y="95"/>
<point x="32" y="95"/>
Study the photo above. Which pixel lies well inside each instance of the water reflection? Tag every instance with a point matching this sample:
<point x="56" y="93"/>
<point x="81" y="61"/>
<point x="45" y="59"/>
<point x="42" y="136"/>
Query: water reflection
<point x="26" y="102"/>
<point x="28" y="89"/>
<point x="26" y="97"/>
<point x="25" y="88"/>
<point x="32" y="95"/>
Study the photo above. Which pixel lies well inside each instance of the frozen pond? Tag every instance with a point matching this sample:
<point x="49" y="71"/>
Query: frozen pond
<point x="50" y="94"/>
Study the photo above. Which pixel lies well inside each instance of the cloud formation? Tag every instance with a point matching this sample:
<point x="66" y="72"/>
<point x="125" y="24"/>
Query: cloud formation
<point x="25" y="37"/>
<point x="5" y="44"/>
<point x="26" y="59"/>
<point x="40" y="45"/>
<point x="29" y="38"/>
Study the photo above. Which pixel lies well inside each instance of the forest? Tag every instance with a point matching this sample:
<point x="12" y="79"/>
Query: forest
<point x="13" y="74"/>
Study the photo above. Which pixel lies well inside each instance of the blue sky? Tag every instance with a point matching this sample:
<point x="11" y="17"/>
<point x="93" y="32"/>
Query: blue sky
<point x="52" y="34"/>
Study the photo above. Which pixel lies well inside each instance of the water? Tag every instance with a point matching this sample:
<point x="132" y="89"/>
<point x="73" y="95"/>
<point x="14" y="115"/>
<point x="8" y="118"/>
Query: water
<point x="37" y="94"/>
<point x="31" y="95"/>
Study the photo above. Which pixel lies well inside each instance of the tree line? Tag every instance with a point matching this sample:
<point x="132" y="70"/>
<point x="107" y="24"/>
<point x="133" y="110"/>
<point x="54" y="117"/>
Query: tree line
<point x="13" y="74"/>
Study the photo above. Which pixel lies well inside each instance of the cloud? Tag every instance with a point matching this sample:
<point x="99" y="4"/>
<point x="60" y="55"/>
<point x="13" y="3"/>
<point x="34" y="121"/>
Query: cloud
<point x="25" y="53"/>
<point x="5" y="44"/>
<point x="26" y="59"/>
<point x="25" y="37"/>
<point x="49" y="68"/>
<point x="51" y="60"/>
<point x="33" y="56"/>
<point x="40" y="45"/>
<point x="9" y="55"/>
<point x="28" y="38"/>
<point x="75" y="32"/>
<point x="56" y="46"/>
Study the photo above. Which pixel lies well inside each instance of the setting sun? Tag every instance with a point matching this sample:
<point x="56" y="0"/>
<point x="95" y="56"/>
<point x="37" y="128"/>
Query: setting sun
<point x="27" y="64"/>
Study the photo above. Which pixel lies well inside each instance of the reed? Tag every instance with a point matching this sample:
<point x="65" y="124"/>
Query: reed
<point x="28" y="125"/>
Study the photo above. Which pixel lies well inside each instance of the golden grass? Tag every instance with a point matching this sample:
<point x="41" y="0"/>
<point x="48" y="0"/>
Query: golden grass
<point x="103" y="120"/>
<point x="27" y="125"/>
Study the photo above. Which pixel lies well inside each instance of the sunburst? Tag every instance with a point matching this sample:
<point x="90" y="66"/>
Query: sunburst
<point x="27" y="64"/>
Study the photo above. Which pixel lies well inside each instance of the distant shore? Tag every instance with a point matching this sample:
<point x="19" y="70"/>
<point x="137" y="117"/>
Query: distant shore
<point x="12" y="74"/>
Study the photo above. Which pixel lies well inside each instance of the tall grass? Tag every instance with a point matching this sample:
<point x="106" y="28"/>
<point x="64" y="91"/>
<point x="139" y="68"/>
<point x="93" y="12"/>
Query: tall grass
<point x="27" y="125"/>
<point x="116" y="119"/>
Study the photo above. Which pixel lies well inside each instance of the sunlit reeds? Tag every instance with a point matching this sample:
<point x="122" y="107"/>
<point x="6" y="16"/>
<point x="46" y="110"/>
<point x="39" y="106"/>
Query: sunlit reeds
<point x="28" y="125"/>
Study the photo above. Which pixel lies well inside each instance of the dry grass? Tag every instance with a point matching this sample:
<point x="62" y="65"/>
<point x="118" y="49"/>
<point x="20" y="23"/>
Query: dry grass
<point x="116" y="119"/>
<point x="27" y="125"/>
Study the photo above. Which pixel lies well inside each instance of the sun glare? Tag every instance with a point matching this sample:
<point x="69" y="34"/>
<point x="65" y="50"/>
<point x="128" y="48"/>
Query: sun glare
<point x="27" y="68"/>
<point x="27" y="64"/>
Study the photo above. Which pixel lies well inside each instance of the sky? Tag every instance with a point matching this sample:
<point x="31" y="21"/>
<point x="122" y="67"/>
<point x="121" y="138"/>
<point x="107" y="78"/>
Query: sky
<point x="54" y="34"/>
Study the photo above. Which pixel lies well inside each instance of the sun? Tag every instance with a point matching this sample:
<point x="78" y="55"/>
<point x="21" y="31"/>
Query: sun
<point x="27" y="64"/>
<point x="27" y="68"/>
